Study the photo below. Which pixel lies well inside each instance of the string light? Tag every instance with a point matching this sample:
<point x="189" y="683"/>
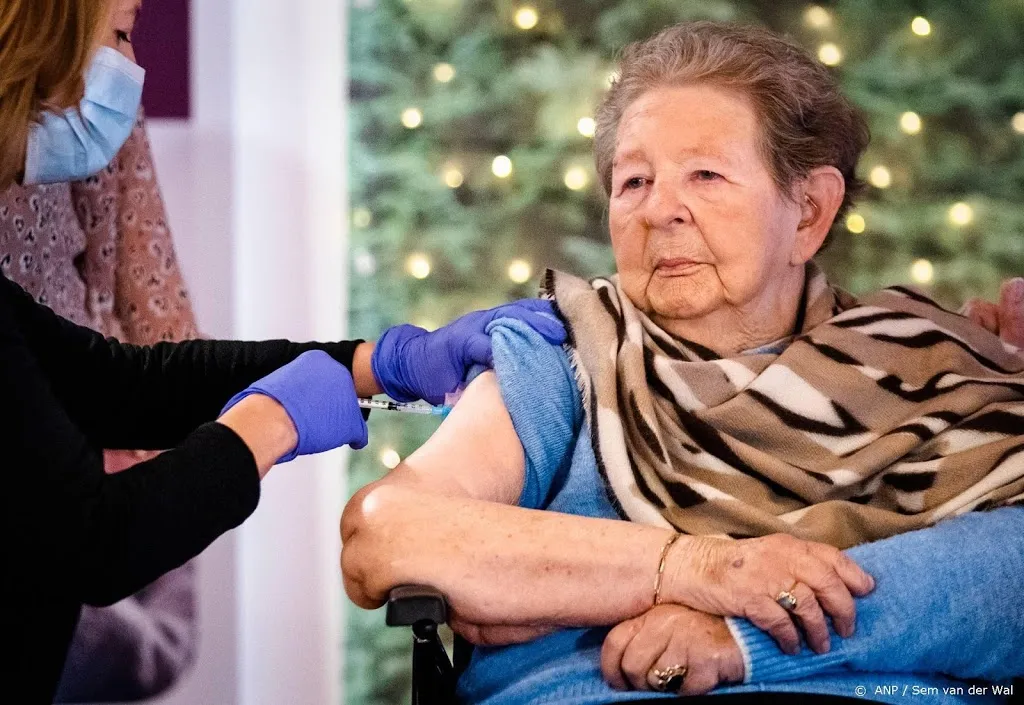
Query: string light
<point x="526" y="17"/>
<point x="855" y="223"/>
<point x="1018" y="123"/>
<point x="576" y="178"/>
<point x="390" y="458"/>
<point x="443" y="72"/>
<point x="921" y="27"/>
<point x="817" y="17"/>
<point x="364" y="263"/>
<point x="519" y="271"/>
<point x="412" y="118"/>
<point x="880" y="177"/>
<point x="362" y="218"/>
<point x="961" y="214"/>
<point x="922" y="271"/>
<point x="418" y="266"/>
<point x="586" y="126"/>
<point x="830" y="54"/>
<point x="452" y="176"/>
<point x="611" y="78"/>
<point x="501" y="166"/>
<point x="910" y="123"/>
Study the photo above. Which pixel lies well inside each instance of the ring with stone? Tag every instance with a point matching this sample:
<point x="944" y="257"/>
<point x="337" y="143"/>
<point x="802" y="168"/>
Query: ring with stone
<point x="667" y="680"/>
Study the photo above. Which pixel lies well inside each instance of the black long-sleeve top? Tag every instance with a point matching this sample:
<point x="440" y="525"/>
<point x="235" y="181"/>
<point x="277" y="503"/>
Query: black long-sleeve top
<point x="73" y="534"/>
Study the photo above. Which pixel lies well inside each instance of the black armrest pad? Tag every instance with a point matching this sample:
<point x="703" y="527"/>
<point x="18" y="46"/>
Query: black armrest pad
<point x="409" y="604"/>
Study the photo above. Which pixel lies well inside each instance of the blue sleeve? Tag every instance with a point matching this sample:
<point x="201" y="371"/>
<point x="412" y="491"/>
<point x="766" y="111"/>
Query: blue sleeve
<point x="540" y="393"/>
<point x="947" y="600"/>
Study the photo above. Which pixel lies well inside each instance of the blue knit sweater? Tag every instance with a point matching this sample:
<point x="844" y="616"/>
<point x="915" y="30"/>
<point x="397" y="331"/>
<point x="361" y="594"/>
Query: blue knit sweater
<point x="946" y="599"/>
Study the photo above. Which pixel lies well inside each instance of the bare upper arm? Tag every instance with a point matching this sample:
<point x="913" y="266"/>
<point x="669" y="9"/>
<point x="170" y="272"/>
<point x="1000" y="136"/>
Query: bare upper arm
<point x="475" y="452"/>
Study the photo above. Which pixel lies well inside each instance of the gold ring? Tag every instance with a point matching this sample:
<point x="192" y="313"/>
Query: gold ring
<point x="787" y="600"/>
<point x="667" y="680"/>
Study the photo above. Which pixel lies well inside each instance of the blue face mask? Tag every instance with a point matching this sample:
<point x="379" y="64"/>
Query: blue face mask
<point x="78" y="142"/>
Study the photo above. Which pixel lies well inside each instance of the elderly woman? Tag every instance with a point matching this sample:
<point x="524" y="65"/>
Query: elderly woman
<point x="721" y="424"/>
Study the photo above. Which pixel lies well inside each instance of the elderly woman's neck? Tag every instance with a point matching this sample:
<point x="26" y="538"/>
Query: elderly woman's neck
<point x="730" y="330"/>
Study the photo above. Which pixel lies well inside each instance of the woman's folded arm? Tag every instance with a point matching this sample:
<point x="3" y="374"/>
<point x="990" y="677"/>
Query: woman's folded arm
<point x="444" y="518"/>
<point x="947" y="600"/>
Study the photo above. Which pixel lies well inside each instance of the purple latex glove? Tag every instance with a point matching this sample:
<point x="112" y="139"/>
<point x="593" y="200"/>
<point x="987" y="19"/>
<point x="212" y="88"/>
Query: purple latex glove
<point x="409" y="363"/>
<point x="318" y="393"/>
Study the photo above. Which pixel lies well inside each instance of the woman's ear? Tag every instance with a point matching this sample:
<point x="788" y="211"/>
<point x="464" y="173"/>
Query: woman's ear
<point x="823" y="192"/>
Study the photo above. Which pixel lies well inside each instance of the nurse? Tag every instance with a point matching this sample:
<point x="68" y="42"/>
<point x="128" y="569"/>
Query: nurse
<point x="229" y="411"/>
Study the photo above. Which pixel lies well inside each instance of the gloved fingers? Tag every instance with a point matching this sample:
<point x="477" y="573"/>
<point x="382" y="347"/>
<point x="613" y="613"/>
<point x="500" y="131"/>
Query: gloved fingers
<point x="539" y="314"/>
<point x="477" y="350"/>
<point x="542" y="305"/>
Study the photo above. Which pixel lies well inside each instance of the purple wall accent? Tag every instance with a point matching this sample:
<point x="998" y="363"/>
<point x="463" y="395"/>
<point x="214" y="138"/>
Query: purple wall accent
<point x="161" y="41"/>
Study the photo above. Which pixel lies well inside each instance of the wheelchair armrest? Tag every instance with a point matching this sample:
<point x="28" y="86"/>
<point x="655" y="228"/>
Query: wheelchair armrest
<point x="409" y="605"/>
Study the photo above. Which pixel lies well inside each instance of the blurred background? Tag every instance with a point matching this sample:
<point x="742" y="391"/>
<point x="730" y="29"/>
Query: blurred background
<point x="470" y="169"/>
<point x="332" y="167"/>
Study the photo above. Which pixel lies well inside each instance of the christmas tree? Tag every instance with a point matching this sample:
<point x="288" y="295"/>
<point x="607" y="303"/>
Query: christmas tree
<point x="471" y="167"/>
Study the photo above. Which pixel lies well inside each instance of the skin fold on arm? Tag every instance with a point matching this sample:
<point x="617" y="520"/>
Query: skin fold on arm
<point x="445" y="517"/>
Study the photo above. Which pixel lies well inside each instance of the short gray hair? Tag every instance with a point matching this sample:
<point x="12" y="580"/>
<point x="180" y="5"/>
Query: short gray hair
<point x="806" y="121"/>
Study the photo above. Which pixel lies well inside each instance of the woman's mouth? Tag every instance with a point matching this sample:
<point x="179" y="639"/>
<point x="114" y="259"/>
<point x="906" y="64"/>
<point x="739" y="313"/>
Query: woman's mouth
<point x="677" y="267"/>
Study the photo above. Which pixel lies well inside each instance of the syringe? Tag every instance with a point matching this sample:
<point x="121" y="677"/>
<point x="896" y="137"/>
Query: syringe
<point x="407" y="408"/>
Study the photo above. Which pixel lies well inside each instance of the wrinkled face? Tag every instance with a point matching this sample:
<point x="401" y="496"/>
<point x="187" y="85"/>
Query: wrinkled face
<point x="698" y="226"/>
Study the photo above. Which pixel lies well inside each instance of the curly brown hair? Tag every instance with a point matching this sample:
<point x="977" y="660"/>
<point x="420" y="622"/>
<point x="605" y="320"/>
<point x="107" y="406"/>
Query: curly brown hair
<point x="806" y="121"/>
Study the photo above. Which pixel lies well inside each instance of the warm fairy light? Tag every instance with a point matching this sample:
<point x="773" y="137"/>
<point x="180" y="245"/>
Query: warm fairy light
<point x="444" y="72"/>
<point x="453" y="176"/>
<point x="961" y="214"/>
<point x="910" y="123"/>
<point x="364" y="263"/>
<point x="855" y="223"/>
<point x="526" y="17"/>
<point x="519" y="271"/>
<point x="829" y="54"/>
<point x="921" y="27"/>
<point x="576" y="178"/>
<point x="412" y="118"/>
<point x="611" y="78"/>
<point x="418" y="266"/>
<point x="880" y="177"/>
<point x="1018" y="123"/>
<point x="362" y="218"/>
<point x="586" y="126"/>
<point x="501" y="166"/>
<point x="922" y="271"/>
<point x="390" y="458"/>
<point x="817" y="17"/>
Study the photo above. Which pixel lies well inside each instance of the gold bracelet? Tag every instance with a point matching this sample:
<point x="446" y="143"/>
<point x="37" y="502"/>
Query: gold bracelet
<point x="661" y="567"/>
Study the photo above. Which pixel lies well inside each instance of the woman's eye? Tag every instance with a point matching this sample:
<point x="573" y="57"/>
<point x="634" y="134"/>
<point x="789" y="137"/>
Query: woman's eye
<point x="634" y="183"/>
<point x="706" y="175"/>
<point x="122" y="36"/>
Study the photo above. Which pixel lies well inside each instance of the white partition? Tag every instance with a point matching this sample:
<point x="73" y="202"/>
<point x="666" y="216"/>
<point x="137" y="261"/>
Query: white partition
<point x="254" y="184"/>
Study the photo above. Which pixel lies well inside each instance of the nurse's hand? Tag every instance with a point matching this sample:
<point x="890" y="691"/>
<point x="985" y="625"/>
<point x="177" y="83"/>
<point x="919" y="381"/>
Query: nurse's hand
<point x="318" y="399"/>
<point x="410" y="363"/>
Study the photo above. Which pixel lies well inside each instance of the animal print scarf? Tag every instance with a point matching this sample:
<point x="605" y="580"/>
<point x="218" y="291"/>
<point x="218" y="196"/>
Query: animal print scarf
<point x="884" y="414"/>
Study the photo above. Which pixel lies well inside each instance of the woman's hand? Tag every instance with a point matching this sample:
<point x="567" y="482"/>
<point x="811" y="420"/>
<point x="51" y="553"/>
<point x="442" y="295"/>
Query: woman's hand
<point x="410" y="363"/>
<point x="314" y="397"/>
<point x="744" y="579"/>
<point x="1005" y="319"/>
<point x="668" y="636"/>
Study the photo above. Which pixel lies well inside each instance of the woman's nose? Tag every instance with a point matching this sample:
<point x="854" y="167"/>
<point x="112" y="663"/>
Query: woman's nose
<point x="666" y="206"/>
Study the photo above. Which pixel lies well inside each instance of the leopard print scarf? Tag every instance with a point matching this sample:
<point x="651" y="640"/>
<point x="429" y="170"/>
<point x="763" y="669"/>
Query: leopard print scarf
<point x="884" y="414"/>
